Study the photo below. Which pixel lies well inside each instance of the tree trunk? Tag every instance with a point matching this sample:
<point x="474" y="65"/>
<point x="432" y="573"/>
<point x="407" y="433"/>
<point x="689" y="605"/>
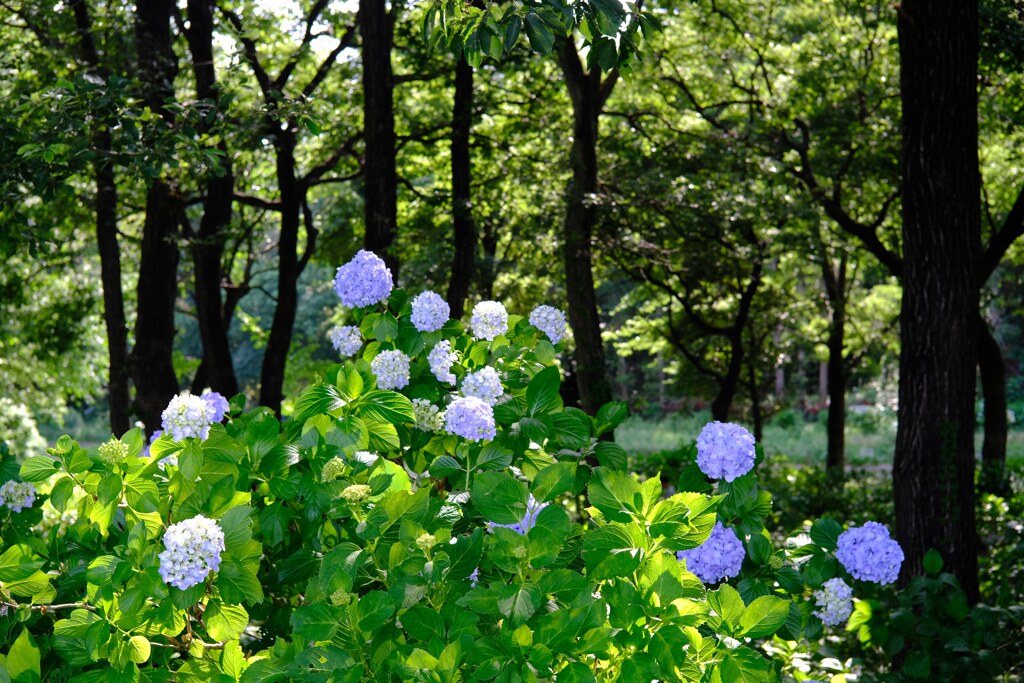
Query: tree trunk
<point x="217" y="370"/>
<point x="729" y="383"/>
<point x="275" y="357"/>
<point x="487" y="269"/>
<point x="933" y="468"/>
<point x="580" y="217"/>
<point x="756" y="418"/>
<point x="151" y="359"/>
<point x="462" y="208"/>
<point x="381" y="185"/>
<point x="106" y="241"/>
<point x="992" y="369"/>
<point x="835" y="289"/>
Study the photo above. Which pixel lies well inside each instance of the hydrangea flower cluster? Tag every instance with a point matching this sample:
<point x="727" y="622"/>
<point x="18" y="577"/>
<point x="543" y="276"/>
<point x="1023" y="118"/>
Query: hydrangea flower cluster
<point x="427" y="416"/>
<point x="869" y="553"/>
<point x="17" y="495"/>
<point x="332" y="469"/>
<point x="391" y="368"/>
<point x="835" y="602"/>
<point x="363" y="281"/>
<point x="719" y="557"/>
<point x="346" y="340"/>
<point x="429" y="312"/>
<point x="489" y="320"/>
<point x="470" y="418"/>
<point x="529" y="520"/>
<point x="356" y="493"/>
<point x="193" y="549"/>
<point x="113" y="451"/>
<point x="550" y="321"/>
<point x="218" y="403"/>
<point x="725" y="450"/>
<point x="187" y="415"/>
<point x="485" y="384"/>
<point x="441" y="358"/>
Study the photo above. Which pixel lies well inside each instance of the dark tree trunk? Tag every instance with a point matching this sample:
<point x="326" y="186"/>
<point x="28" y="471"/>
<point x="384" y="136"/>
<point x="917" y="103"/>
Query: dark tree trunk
<point x="275" y="357"/>
<point x="106" y="240"/>
<point x="729" y="383"/>
<point x="487" y="269"/>
<point x="933" y="468"/>
<point x="217" y="370"/>
<point x="462" y="208"/>
<point x="588" y="94"/>
<point x="835" y="289"/>
<point x="992" y="369"/>
<point x="756" y="416"/>
<point x="381" y="183"/>
<point x="151" y="359"/>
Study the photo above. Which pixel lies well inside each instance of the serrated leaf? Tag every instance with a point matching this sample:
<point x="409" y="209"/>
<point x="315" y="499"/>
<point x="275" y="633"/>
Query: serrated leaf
<point x="764" y="616"/>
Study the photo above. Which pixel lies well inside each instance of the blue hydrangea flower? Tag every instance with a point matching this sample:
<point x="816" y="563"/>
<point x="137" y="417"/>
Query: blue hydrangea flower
<point x="529" y="520"/>
<point x="725" y="450"/>
<point x="550" y="321"/>
<point x="489" y="320"/>
<point x="429" y="312"/>
<point x="485" y="384"/>
<point x="363" y="281"/>
<point x="474" y="577"/>
<point x="192" y="551"/>
<point x="835" y="602"/>
<point x="188" y="416"/>
<point x="391" y="368"/>
<point x="17" y="495"/>
<point x="869" y="553"/>
<point x="346" y="340"/>
<point x="470" y="418"/>
<point x="441" y="358"/>
<point x="218" y="403"/>
<point x="720" y="557"/>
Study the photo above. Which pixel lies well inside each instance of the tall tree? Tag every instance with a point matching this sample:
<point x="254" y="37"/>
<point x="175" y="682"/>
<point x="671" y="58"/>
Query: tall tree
<point x="465" y="237"/>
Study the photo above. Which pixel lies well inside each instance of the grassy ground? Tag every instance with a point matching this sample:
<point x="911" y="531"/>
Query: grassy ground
<point x="869" y="440"/>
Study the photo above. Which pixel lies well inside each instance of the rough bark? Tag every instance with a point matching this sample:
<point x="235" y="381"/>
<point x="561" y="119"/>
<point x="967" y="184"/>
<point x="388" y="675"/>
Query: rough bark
<point x="835" y="290"/>
<point x="150" y="361"/>
<point x="106" y="239"/>
<point x="462" y="209"/>
<point x="217" y="370"/>
<point x="379" y="175"/>
<point x="992" y="370"/>
<point x="933" y="468"/>
<point x="588" y="94"/>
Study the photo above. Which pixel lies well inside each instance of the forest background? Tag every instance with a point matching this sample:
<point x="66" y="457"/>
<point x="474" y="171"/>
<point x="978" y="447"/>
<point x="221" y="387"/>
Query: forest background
<point x="716" y="192"/>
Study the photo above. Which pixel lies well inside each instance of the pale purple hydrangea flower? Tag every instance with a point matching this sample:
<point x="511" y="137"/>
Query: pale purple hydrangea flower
<point x="550" y="321"/>
<point x="720" y="557"/>
<point x="725" y="450"/>
<point x="470" y="418"/>
<point x="188" y="416"/>
<point x="489" y="320"/>
<point x="485" y="384"/>
<point x="474" y="577"/>
<point x="17" y="495"/>
<point x="441" y="358"/>
<point x="834" y="601"/>
<point x="363" y="281"/>
<point x="429" y="312"/>
<point x="193" y="549"/>
<point x="529" y="520"/>
<point x="218" y="403"/>
<point x="869" y="553"/>
<point x="346" y="340"/>
<point x="391" y="368"/>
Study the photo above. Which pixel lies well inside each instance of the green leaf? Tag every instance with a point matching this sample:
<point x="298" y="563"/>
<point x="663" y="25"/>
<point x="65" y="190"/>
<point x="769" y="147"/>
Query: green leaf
<point x="518" y="603"/>
<point x="613" y="550"/>
<point x="445" y="466"/>
<point x="19" y="562"/>
<point x="225" y="622"/>
<point x="499" y="497"/>
<point x="572" y="428"/>
<point x="316" y="622"/>
<point x="61" y="493"/>
<point x="373" y="609"/>
<point x="23" y="659"/>
<point x="542" y="392"/>
<point x="918" y="665"/>
<point x="825" y="533"/>
<point x="609" y="416"/>
<point x="616" y="494"/>
<point x="316" y="400"/>
<point x="39" y="468"/>
<point x="540" y="36"/>
<point x="759" y="549"/>
<point x="383" y="437"/>
<point x="611" y="455"/>
<point x="386" y="406"/>
<point x="728" y="606"/>
<point x="553" y="481"/>
<point x="764" y="616"/>
<point x="933" y="562"/>
<point x="576" y="673"/>
<point x="744" y="665"/>
<point x="138" y="649"/>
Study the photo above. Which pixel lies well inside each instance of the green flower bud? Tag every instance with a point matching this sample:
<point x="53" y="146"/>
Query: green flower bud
<point x="426" y="542"/>
<point x="356" y="493"/>
<point x="113" y="451"/>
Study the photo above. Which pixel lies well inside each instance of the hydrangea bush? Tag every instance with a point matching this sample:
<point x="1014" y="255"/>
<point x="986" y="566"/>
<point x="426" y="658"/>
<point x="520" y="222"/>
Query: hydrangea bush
<point x="432" y="511"/>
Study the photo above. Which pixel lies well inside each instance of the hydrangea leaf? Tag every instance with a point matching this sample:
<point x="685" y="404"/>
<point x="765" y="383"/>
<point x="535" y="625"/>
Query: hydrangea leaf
<point x="764" y="616"/>
<point x="553" y="481"/>
<point x="613" y="550"/>
<point x="499" y="497"/>
<point x="616" y="494"/>
<point x="727" y="606"/>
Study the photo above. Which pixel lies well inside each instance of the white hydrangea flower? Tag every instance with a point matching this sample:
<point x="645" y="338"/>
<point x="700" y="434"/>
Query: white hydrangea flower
<point x="489" y="320"/>
<point x="346" y="340"/>
<point x="428" y="417"/>
<point x="429" y="312"/>
<point x="485" y="384"/>
<point x="188" y="416"/>
<point x="391" y="368"/>
<point x="193" y="549"/>
<point x="550" y="321"/>
<point x="835" y="602"/>
<point x="441" y="358"/>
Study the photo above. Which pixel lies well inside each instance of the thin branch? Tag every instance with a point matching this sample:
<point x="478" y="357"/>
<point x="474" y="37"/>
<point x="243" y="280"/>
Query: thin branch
<point x="1012" y="228"/>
